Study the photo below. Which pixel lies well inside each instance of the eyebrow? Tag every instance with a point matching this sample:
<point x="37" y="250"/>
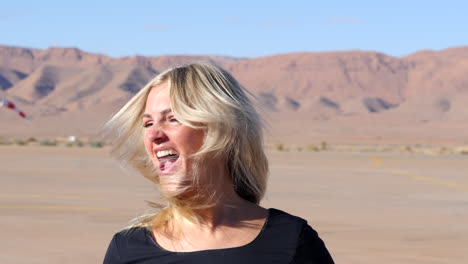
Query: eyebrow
<point x="163" y="113"/>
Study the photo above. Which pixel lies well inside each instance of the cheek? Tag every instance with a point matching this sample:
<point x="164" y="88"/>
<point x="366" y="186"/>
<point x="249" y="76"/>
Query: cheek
<point x="196" y="139"/>
<point x="147" y="142"/>
<point x="189" y="140"/>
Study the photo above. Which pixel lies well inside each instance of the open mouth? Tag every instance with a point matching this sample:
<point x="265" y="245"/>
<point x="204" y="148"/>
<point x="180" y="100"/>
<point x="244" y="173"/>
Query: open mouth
<point x="167" y="160"/>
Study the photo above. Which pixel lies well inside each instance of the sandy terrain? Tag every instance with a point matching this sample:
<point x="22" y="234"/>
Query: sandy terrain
<point x="62" y="205"/>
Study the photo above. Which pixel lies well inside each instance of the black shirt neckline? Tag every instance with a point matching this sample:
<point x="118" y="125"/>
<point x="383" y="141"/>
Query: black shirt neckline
<point x="251" y="243"/>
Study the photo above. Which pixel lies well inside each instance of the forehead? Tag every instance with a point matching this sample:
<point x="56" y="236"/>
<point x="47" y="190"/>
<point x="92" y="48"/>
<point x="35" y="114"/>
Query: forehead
<point x="158" y="99"/>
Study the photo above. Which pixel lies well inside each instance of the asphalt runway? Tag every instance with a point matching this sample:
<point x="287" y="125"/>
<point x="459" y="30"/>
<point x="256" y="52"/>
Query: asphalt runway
<point x="62" y="205"/>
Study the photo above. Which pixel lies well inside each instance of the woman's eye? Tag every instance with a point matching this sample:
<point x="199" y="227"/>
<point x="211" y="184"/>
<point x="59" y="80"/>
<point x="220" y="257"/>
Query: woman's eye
<point x="173" y="120"/>
<point x="147" y="124"/>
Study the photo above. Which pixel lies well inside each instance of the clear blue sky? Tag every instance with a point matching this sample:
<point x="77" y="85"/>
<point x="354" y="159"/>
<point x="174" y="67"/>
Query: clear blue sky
<point x="234" y="28"/>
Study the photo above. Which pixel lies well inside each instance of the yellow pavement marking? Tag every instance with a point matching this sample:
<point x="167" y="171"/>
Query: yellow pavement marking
<point x="378" y="162"/>
<point x="54" y="197"/>
<point x="432" y="180"/>
<point x="54" y="207"/>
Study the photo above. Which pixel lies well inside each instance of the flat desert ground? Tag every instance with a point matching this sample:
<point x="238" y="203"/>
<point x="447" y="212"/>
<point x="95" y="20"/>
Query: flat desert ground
<point x="62" y="205"/>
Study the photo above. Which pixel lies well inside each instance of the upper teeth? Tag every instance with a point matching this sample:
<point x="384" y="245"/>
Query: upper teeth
<point x="163" y="153"/>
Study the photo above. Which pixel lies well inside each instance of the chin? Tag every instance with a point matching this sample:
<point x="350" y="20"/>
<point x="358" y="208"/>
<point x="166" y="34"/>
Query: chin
<point x="170" y="189"/>
<point x="173" y="183"/>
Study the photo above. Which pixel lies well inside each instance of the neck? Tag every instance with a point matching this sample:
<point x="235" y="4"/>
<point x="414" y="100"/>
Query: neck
<point x="226" y="211"/>
<point x="229" y="211"/>
<point x="224" y="206"/>
<point x="222" y="200"/>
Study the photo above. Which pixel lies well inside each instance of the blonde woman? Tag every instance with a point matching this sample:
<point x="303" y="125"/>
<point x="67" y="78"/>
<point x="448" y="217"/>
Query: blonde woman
<point x="193" y="131"/>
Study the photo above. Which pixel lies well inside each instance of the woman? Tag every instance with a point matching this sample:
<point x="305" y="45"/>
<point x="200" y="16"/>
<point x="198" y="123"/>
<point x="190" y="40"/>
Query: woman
<point x="203" y="142"/>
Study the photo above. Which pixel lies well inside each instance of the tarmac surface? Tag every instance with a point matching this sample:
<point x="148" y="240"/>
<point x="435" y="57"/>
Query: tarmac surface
<point x="63" y="205"/>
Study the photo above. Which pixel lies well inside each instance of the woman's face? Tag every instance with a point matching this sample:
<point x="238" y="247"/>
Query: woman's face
<point x="168" y="142"/>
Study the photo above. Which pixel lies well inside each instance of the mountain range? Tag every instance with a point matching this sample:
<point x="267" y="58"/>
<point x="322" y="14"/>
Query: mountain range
<point x="346" y="96"/>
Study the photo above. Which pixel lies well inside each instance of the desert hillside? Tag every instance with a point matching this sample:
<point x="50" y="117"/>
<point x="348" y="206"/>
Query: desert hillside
<point x="344" y="96"/>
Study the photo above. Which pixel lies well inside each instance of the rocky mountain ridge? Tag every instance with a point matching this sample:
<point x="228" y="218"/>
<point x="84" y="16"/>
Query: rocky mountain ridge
<point x="427" y="86"/>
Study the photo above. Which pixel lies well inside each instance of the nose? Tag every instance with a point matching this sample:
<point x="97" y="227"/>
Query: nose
<point x="156" y="134"/>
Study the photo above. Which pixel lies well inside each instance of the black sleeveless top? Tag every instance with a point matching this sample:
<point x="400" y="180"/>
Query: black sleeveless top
<point x="284" y="239"/>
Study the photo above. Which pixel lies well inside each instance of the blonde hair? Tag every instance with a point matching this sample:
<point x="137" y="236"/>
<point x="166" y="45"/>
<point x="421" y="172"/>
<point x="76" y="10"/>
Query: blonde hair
<point x="202" y="96"/>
